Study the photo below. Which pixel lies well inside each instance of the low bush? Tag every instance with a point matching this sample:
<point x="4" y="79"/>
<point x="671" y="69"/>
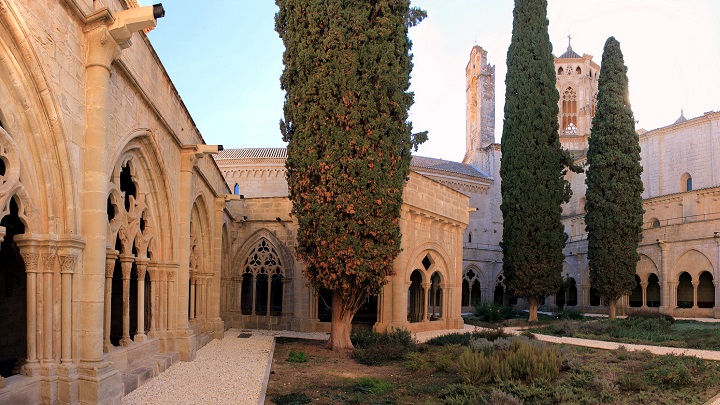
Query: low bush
<point x="373" y="348"/>
<point x="668" y="370"/>
<point x="475" y="367"/>
<point x="569" y="313"/>
<point x="491" y="312"/>
<point x="371" y="385"/>
<point x="462" y="394"/>
<point x="297" y="357"/>
<point x="455" y="338"/>
<point x="416" y="361"/>
<point x="296" y="398"/>
<point x="644" y="313"/>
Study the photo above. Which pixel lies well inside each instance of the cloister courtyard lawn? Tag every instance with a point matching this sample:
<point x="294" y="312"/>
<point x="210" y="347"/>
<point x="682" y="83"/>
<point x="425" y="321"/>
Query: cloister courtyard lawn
<point x="485" y="367"/>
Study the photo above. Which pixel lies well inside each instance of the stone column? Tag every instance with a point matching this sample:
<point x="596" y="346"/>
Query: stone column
<point x="695" y="284"/>
<point x="99" y="381"/>
<point x="253" y="300"/>
<point x="426" y="301"/>
<point x="67" y="372"/>
<point x="154" y="290"/>
<point x="643" y="285"/>
<point x="110" y="257"/>
<point x="172" y="303"/>
<point x="29" y="251"/>
<point x="48" y="258"/>
<point x="126" y="261"/>
<point x="193" y="282"/>
<point x="163" y="298"/>
<point x="269" y="290"/>
<point x="667" y="305"/>
<point x="141" y="264"/>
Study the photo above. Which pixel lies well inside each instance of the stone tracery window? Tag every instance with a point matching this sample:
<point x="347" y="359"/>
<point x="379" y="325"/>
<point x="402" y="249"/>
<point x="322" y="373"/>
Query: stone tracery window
<point x="569" y="112"/>
<point x="262" y="285"/>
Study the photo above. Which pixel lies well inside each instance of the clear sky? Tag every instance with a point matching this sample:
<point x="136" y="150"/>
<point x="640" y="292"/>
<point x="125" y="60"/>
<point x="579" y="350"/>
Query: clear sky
<point x="226" y="59"/>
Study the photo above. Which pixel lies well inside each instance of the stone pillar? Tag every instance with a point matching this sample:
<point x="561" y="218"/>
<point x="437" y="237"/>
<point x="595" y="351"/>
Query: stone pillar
<point x="154" y="291"/>
<point x="193" y="282"/>
<point x="29" y="251"/>
<point x="48" y="370"/>
<point x="253" y="292"/>
<point x="141" y="265"/>
<point x="695" y="284"/>
<point x="126" y="261"/>
<point x="425" y="301"/>
<point x="110" y="257"/>
<point x="667" y="304"/>
<point x="67" y="372"/>
<point x="643" y="285"/>
<point x="269" y="290"/>
<point x="99" y="381"/>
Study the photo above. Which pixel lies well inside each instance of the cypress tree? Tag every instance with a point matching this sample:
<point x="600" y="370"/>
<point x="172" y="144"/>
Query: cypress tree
<point x="533" y="164"/>
<point x="614" y="188"/>
<point x="346" y="78"/>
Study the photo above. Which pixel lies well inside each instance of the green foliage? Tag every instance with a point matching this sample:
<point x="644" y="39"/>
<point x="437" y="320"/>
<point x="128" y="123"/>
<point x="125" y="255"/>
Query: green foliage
<point x="297" y="357"/>
<point x="651" y="314"/>
<point x="455" y="338"/>
<point x="371" y="385"/>
<point x="462" y="394"/>
<point x="614" y="187"/>
<point x="346" y="78"/>
<point x="491" y="312"/>
<point x="533" y="163"/>
<point x="570" y="313"/>
<point x="416" y="361"/>
<point x="373" y="348"/>
<point x="475" y="367"/>
<point x="668" y="370"/>
<point x="296" y="398"/>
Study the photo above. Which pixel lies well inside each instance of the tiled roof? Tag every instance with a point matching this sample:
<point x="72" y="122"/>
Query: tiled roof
<point x="419" y="162"/>
<point x="252" y="153"/>
<point x="569" y="54"/>
<point x="422" y="162"/>
<point x="681" y="118"/>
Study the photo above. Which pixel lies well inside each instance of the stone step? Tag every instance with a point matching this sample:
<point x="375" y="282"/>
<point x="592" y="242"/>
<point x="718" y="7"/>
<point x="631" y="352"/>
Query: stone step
<point x="146" y="370"/>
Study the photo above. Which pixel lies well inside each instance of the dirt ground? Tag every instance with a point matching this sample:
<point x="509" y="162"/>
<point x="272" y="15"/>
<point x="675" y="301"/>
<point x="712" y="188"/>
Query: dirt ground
<point x="335" y="378"/>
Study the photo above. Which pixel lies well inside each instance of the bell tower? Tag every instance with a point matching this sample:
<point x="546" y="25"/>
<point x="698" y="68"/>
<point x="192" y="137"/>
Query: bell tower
<point x="577" y="83"/>
<point x="480" y="103"/>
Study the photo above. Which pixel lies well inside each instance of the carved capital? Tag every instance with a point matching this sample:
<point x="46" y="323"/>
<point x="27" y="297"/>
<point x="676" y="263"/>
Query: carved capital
<point x="141" y="266"/>
<point x="48" y="261"/>
<point x="31" y="260"/>
<point x="110" y="257"/>
<point x="67" y="264"/>
<point x="102" y="49"/>
<point x="126" y="262"/>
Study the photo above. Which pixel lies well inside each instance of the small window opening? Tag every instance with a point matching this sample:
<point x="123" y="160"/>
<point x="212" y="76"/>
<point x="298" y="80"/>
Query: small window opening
<point x="2" y="166"/>
<point x="426" y="262"/>
<point x="578" y="71"/>
<point x="127" y="185"/>
<point x="470" y="237"/>
<point x="656" y="223"/>
<point x="236" y="190"/>
<point x="110" y="210"/>
<point x="142" y="223"/>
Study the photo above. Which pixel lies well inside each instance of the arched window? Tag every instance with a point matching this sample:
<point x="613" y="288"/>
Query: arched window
<point x="262" y="281"/>
<point x="568" y="112"/>
<point x="416" y="298"/>
<point x="652" y="292"/>
<point x="687" y="182"/>
<point x="636" y="294"/>
<point x="578" y="71"/>
<point x="470" y="237"/>
<point x="560" y="71"/>
<point x="236" y="189"/>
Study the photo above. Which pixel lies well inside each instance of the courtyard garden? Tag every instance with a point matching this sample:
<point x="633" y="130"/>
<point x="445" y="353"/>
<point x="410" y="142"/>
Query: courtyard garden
<point x="485" y="367"/>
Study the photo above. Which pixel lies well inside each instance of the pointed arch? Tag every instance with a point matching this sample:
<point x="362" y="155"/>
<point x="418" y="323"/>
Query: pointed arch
<point x="693" y="262"/>
<point x="568" y="111"/>
<point x="251" y="242"/>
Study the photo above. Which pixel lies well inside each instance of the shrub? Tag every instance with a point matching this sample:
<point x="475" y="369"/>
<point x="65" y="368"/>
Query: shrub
<point x="490" y="312"/>
<point x="569" y="313"/>
<point x="632" y="382"/>
<point x="533" y="361"/>
<point x="371" y="385"/>
<point x="416" y="361"/>
<point x="462" y="394"/>
<point x="455" y="338"/>
<point x="475" y="367"/>
<point x="373" y="348"/>
<point x="296" y="398"/>
<point x="668" y="369"/>
<point x="490" y="334"/>
<point x="498" y="397"/>
<point x="443" y="361"/>
<point x="297" y="357"/>
<point x="644" y="313"/>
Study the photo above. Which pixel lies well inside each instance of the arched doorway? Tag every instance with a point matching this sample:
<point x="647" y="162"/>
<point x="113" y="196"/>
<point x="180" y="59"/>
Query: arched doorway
<point x="416" y="297"/>
<point x="685" y="291"/>
<point x="13" y="297"/>
<point x="652" y="293"/>
<point x="705" y="290"/>
<point x="435" y="301"/>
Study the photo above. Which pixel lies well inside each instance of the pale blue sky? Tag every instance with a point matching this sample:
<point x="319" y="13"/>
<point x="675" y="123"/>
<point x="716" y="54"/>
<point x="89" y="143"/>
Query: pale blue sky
<point x="226" y="59"/>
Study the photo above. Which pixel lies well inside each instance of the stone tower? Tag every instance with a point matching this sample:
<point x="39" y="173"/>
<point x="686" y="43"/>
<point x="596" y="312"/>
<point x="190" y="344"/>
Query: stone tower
<point x="577" y="83"/>
<point x="480" y="103"/>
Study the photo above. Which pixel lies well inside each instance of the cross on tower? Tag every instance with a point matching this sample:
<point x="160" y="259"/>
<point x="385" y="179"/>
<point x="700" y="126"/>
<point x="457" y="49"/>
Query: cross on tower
<point x="569" y="38"/>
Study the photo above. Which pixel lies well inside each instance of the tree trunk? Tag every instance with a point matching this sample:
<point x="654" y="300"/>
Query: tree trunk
<point x="340" y="326"/>
<point x="612" y="308"/>
<point x="532" y="317"/>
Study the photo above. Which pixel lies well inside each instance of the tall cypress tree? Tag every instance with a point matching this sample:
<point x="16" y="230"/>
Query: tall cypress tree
<point x="346" y="78"/>
<point x="614" y="188"/>
<point x="533" y="163"/>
